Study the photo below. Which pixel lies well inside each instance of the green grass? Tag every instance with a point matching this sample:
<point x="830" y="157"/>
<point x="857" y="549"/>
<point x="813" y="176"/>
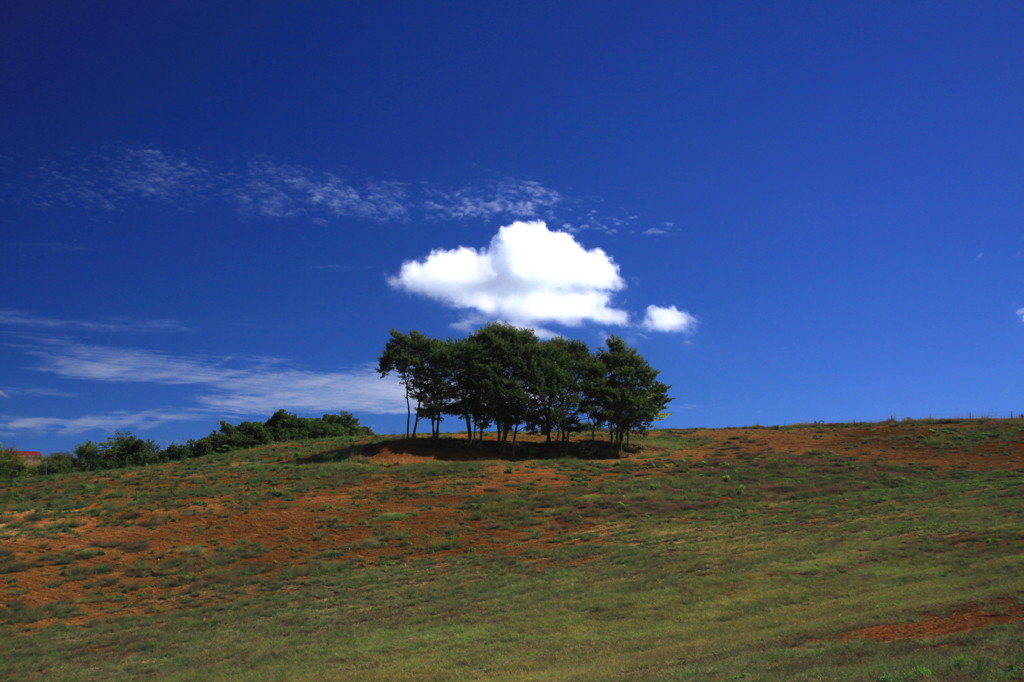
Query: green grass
<point x="741" y="567"/>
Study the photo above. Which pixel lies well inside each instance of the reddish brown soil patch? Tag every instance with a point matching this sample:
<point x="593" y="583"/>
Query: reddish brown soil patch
<point x="154" y="557"/>
<point x="963" y="619"/>
<point x="963" y="443"/>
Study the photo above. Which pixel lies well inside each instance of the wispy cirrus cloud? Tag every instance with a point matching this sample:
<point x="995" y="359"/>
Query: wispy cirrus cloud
<point x="287" y="191"/>
<point x="111" y="421"/>
<point x="262" y="392"/>
<point x="664" y="228"/>
<point x="156" y="175"/>
<point x="506" y="198"/>
<point x="225" y="385"/>
<point x="117" y="178"/>
<point x="15" y="391"/>
<point x="112" y="364"/>
<point x="20" y="318"/>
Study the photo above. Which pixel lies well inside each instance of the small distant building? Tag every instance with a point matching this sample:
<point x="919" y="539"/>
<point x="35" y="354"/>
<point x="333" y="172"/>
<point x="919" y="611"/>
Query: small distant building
<point x="29" y="456"/>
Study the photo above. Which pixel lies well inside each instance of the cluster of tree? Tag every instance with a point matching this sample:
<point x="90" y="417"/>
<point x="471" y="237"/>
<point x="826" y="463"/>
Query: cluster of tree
<point x="505" y="376"/>
<point x="126" y="449"/>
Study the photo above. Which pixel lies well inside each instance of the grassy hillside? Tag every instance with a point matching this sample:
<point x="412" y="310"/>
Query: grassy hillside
<point x="887" y="551"/>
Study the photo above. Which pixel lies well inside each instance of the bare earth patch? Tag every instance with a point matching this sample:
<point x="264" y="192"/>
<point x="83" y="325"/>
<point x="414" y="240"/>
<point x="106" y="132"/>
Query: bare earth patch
<point x="151" y="560"/>
<point x="964" y="619"/>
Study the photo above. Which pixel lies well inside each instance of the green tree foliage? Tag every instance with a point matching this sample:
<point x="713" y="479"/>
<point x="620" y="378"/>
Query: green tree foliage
<point x="505" y="376"/>
<point x="57" y="463"/>
<point x="87" y="455"/>
<point x="120" y="450"/>
<point x="430" y="379"/>
<point x="509" y="357"/>
<point x="397" y="358"/>
<point x="178" y="451"/>
<point x="125" y="449"/>
<point x="630" y="397"/>
<point x="471" y="384"/>
<point x="559" y="386"/>
<point x="11" y="463"/>
<point x="282" y="426"/>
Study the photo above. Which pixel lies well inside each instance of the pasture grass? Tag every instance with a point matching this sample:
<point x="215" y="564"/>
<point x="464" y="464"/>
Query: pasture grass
<point x="719" y="566"/>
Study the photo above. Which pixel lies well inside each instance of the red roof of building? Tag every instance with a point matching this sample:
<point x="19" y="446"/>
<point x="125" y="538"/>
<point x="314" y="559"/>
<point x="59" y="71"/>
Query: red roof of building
<point x="29" y="453"/>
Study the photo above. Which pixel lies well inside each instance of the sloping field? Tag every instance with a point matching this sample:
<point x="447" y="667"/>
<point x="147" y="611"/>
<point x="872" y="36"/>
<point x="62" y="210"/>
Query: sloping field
<point x="891" y="551"/>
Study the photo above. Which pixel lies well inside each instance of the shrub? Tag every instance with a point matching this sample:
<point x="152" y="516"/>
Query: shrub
<point x="11" y="464"/>
<point x="125" y="449"/>
<point x="177" y="451"/>
<point x="120" y="450"/>
<point x="57" y="463"/>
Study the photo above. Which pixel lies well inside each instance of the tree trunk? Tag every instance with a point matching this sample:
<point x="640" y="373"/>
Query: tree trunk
<point x="408" y="413"/>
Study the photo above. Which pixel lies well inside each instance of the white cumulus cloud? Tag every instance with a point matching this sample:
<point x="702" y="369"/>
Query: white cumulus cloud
<point x="527" y="275"/>
<point x="670" y="319"/>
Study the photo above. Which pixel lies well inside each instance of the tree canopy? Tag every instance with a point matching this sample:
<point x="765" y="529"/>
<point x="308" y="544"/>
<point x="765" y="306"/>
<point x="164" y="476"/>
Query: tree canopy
<point x="505" y="376"/>
<point x="125" y="449"/>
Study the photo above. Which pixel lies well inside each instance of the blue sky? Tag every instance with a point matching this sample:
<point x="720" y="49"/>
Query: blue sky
<point x="797" y="211"/>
